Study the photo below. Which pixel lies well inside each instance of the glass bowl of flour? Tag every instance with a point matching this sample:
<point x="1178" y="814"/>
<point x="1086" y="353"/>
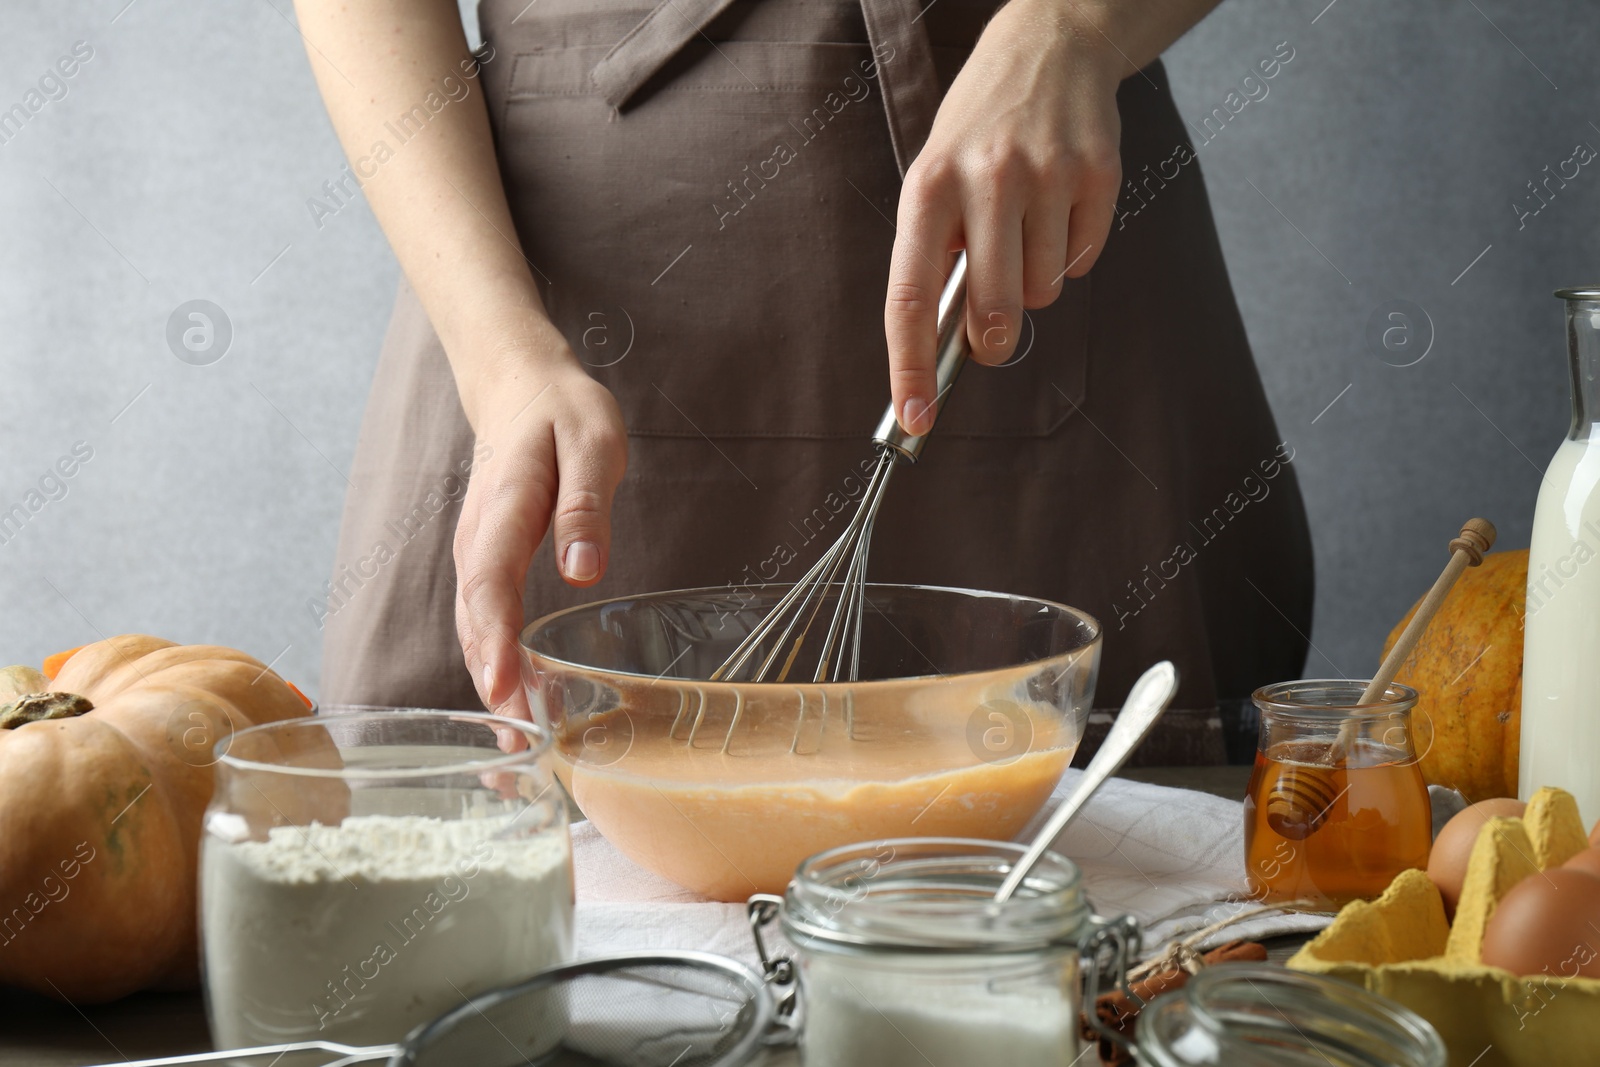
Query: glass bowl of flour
<point x="363" y="873"/>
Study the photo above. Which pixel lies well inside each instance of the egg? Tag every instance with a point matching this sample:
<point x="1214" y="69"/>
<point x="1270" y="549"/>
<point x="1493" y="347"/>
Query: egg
<point x="1447" y="863"/>
<point x="1588" y="860"/>
<point x="1548" y="924"/>
<point x="1594" y="835"/>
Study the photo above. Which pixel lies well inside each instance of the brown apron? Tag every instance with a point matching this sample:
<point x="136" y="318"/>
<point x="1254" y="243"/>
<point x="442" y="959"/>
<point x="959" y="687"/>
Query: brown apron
<point x="707" y="189"/>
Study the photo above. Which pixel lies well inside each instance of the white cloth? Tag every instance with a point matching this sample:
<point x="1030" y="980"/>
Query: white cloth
<point x="1171" y="858"/>
<point x="624" y="908"/>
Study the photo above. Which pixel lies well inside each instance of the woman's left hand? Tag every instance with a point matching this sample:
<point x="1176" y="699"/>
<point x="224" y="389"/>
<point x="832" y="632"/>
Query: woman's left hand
<point x="1022" y="170"/>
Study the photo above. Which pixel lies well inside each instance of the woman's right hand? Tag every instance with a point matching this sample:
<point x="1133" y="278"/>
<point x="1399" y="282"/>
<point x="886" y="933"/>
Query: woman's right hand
<point x="556" y="450"/>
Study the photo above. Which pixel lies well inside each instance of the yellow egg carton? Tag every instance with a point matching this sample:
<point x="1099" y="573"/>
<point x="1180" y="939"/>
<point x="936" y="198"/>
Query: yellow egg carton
<point x="1402" y="947"/>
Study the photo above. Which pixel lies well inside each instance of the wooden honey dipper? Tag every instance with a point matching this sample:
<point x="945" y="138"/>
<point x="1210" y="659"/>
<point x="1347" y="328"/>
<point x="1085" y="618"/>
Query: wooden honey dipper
<point x="1302" y="796"/>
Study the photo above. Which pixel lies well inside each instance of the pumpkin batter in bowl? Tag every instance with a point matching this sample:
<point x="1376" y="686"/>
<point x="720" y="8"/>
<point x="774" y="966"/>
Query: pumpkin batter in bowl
<point x="970" y="707"/>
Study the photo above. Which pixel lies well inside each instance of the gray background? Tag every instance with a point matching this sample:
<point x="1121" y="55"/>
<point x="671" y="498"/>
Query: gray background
<point x="1385" y="159"/>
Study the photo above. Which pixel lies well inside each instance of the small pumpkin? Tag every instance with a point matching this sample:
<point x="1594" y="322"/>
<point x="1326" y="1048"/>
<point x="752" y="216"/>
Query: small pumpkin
<point x="105" y="772"/>
<point x="1467" y="670"/>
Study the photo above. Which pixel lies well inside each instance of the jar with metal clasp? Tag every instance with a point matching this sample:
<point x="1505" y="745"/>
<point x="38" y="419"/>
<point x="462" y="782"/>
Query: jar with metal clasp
<point x="1259" y="1015"/>
<point x="905" y="958"/>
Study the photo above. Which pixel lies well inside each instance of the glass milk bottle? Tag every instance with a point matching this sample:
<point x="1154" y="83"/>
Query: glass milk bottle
<point x="1561" y="642"/>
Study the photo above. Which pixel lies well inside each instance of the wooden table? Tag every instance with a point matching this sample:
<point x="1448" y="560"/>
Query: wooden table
<point x="37" y="1032"/>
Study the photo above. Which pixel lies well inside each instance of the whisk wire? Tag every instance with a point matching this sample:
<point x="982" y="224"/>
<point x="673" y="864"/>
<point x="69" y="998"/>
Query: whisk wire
<point x="738" y="713"/>
<point x="800" y="721"/>
<point x="810" y="592"/>
<point x="842" y="570"/>
<point x="859" y="589"/>
<point x="848" y="547"/>
<point x="841" y="627"/>
<point x="699" y="715"/>
<point x="813" y="599"/>
<point x="779" y="611"/>
<point x="683" y="709"/>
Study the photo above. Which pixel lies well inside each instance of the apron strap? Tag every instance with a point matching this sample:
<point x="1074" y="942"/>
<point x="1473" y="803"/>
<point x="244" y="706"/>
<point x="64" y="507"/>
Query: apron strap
<point x="662" y="34"/>
<point x="906" y="75"/>
<point x="899" y="40"/>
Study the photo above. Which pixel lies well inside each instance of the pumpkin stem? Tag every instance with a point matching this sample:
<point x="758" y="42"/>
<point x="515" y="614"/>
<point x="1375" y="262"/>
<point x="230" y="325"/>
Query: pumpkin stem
<point x="20" y="681"/>
<point x="39" y="707"/>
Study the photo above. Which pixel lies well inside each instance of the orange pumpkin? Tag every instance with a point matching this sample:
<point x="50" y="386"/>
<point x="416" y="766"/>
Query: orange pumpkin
<point x="1467" y="670"/>
<point x="103" y="780"/>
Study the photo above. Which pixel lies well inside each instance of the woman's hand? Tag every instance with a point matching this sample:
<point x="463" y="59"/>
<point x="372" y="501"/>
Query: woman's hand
<point x="554" y="436"/>
<point x="556" y="452"/>
<point x="1022" y="170"/>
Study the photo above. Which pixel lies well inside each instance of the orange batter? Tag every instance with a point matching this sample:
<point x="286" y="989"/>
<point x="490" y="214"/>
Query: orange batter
<point x="729" y="823"/>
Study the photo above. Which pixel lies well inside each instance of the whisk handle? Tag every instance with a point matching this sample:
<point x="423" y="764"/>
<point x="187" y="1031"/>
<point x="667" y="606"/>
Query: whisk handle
<point x="951" y="356"/>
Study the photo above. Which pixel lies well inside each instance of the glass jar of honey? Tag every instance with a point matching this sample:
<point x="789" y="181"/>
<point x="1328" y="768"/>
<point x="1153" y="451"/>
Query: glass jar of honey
<point x="1337" y="805"/>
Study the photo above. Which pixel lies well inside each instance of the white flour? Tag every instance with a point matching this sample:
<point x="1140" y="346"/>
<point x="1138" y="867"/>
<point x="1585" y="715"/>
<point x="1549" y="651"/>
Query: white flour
<point x="358" y="932"/>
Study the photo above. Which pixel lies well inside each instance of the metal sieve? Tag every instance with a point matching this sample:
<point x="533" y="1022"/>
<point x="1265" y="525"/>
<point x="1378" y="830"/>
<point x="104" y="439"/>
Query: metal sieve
<point x="687" y="1009"/>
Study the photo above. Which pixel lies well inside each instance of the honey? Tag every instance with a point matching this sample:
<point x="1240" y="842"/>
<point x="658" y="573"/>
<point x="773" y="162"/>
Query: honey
<point x="1377" y="824"/>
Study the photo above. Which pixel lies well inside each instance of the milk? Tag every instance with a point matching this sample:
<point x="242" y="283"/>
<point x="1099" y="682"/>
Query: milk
<point x="1561" y="645"/>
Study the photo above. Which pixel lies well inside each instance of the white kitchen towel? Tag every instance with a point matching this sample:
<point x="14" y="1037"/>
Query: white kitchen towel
<point x="624" y="908"/>
<point x="1171" y="858"/>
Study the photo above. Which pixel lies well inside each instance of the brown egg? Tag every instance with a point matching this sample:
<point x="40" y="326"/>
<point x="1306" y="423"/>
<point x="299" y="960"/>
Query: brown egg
<point x="1588" y="860"/>
<point x="1548" y="924"/>
<point x="1594" y="835"/>
<point x="1447" y="863"/>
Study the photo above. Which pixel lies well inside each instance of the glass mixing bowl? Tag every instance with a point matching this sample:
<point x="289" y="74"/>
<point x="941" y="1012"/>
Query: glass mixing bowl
<point x="969" y="707"/>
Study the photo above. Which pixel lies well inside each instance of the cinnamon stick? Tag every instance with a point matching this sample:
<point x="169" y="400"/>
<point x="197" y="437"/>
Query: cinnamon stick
<point x="1121" y="1013"/>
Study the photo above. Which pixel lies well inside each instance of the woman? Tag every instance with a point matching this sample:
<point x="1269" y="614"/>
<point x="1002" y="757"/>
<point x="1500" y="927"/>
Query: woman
<point x="653" y="249"/>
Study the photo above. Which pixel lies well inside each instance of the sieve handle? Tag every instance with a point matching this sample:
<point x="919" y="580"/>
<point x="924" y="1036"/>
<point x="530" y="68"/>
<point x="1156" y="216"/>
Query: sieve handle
<point x="950" y="355"/>
<point x="340" y="1055"/>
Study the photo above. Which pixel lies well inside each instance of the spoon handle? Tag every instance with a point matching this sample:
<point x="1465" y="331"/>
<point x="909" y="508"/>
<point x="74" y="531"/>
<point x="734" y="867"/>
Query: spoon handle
<point x="1146" y="702"/>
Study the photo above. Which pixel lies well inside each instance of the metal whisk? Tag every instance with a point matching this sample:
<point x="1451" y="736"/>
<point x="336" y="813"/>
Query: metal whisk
<point x="844" y="566"/>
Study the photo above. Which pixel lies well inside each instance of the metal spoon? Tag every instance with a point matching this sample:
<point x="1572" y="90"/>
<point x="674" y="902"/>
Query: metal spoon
<point x="1146" y="702"/>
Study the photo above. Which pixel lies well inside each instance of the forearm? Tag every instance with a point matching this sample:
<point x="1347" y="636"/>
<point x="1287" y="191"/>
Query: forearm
<point x="401" y="88"/>
<point x="1133" y="32"/>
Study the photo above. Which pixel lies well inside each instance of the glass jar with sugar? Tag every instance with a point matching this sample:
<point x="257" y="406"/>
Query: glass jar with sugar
<point x="904" y="957"/>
